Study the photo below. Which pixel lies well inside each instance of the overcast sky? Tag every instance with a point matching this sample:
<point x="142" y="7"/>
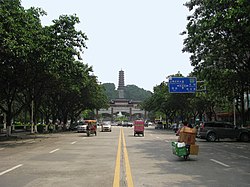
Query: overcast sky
<point x="141" y="37"/>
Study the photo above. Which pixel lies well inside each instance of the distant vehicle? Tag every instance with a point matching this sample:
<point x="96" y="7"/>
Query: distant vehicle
<point x="87" y="126"/>
<point x="212" y="131"/>
<point x="106" y="127"/>
<point x="119" y="124"/>
<point x="114" y="124"/>
<point x="148" y="123"/>
<point x="82" y="127"/>
<point x="139" y="127"/>
<point x="91" y="127"/>
<point x="73" y="126"/>
<point x="175" y="127"/>
<point x="127" y="124"/>
<point x="159" y="125"/>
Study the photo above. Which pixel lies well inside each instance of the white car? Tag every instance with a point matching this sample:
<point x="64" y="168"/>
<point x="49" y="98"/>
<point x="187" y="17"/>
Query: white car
<point x="82" y="127"/>
<point x="106" y="127"/>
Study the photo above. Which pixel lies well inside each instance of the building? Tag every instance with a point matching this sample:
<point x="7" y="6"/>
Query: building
<point x="122" y="106"/>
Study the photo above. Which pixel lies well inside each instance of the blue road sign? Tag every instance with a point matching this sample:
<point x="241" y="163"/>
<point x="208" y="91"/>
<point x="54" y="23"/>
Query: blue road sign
<point x="182" y="84"/>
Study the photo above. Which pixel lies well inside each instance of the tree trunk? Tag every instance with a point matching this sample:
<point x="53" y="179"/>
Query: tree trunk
<point x="247" y="111"/>
<point x="8" y="121"/>
<point x="242" y="111"/>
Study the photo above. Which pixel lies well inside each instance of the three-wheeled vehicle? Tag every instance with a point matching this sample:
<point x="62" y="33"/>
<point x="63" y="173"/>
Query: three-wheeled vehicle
<point x="139" y="127"/>
<point x="186" y="143"/>
<point x="91" y="127"/>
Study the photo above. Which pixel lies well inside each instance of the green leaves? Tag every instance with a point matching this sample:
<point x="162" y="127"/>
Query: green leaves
<point x="39" y="63"/>
<point x="218" y="38"/>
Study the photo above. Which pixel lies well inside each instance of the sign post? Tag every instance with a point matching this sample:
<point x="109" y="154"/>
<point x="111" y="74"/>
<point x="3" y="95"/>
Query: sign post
<point x="182" y="85"/>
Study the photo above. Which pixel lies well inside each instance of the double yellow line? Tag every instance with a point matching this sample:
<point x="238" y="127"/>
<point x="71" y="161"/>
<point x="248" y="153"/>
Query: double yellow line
<point x="116" y="182"/>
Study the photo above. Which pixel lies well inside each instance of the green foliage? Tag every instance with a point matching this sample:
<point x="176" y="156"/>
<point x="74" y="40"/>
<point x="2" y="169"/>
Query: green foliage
<point x="218" y="38"/>
<point x="135" y="93"/>
<point x="20" y="30"/>
<point x="131" y="92"/>
<point x="175" y="106"/>
<point x="110" y="90"/>
<point x="39" y="64"/>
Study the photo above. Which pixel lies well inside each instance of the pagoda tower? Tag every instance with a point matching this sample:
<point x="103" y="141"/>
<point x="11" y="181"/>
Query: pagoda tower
<point x="121" y="85"/>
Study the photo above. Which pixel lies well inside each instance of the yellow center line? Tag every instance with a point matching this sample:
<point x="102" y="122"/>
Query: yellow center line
<point x="127" y="165"/>
<point x="116" y="182"/>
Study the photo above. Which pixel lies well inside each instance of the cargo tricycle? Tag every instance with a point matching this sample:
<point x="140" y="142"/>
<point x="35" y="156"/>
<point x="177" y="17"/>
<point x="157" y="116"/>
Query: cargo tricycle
<point x="186" y="143"/>
<point x="139" y="127"/>
<point x="91" y="127"/>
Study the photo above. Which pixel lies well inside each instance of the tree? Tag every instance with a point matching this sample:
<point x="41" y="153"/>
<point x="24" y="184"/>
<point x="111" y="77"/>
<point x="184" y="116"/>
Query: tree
<point x="19" y="30"/>
<point x="174" y="106"/>
<point x="64" y="45"/>
<point x="135" y="93"/>
<point x="43" y="66"/>
<point x="110" y="90"/>
<point x="218" y="38"/>
<point x="131" y="92"/>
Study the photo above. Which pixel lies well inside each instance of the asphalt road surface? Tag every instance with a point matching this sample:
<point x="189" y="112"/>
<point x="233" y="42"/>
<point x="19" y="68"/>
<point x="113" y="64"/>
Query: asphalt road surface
<point x="120" y="159"/>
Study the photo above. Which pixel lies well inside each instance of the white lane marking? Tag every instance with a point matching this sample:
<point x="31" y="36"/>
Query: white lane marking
<point x="32" y="142"/>
<point x="54" y="151"/>
<point x="218" y="162"/>
<point x="8" y="170"/>
<point x="157" y="137"/>
<point x="73" y="143"/>
<point x="84" y="138"/>
<point x="244" y="157"/>
<point x="151" y="134"/>
<point x="2" y="149"/>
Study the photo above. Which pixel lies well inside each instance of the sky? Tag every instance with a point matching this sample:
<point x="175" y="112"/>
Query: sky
<point x="140" y="37"/>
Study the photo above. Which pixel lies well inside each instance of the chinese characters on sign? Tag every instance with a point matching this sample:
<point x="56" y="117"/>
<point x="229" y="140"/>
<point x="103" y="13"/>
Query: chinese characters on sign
<point x="182" y="84"/>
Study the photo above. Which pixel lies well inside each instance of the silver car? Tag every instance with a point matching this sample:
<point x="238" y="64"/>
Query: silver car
<point x="106" y="127"/>
<point x="82" y="128"/>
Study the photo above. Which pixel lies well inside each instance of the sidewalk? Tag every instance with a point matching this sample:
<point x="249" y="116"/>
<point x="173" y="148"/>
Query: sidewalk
<point x="20" y="135"/>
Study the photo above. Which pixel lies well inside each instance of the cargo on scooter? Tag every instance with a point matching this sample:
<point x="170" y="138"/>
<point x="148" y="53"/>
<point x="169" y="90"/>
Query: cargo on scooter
<point x="186" y="143"/>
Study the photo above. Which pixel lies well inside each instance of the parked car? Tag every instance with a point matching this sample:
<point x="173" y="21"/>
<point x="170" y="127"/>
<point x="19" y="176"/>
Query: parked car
<point x="73" y="126"/>
<point x="148" y="123"/>
<point x="215" y="130"/>
<point x="106" y="127"/>
<point x="82" y="127"/>
<point x="175" y="127"/>
<point x="127" y="124"/>
<point x="159" y="125"/>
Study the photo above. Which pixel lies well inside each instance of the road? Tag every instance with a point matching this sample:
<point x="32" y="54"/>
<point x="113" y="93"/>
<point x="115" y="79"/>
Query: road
<point x="118" y="158"/>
